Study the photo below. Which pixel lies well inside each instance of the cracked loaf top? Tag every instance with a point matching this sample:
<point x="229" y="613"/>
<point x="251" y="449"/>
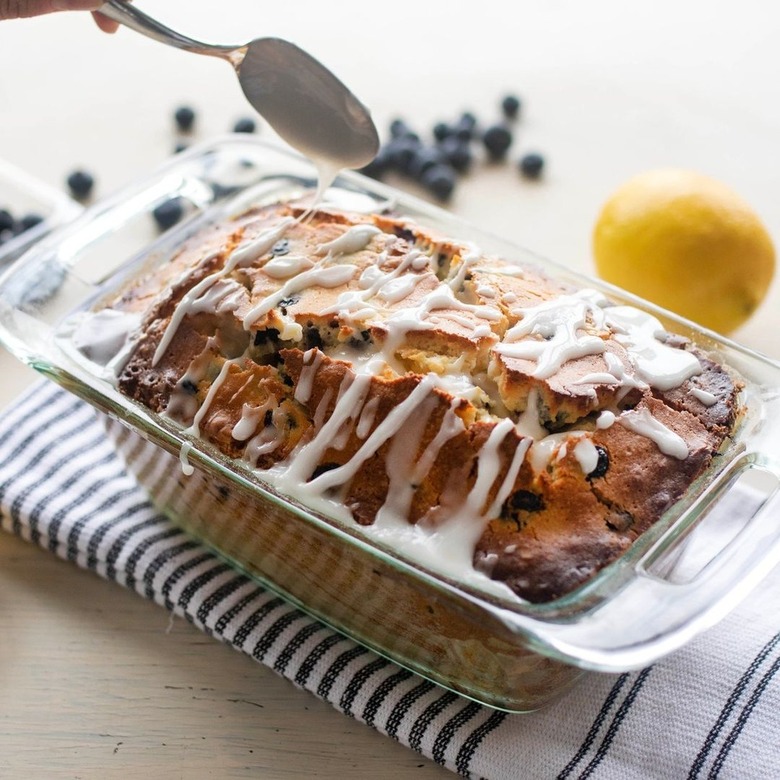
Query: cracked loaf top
<point x="498" y="422"/>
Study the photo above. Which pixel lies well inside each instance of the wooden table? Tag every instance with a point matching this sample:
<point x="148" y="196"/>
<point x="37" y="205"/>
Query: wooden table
<point x="97" y="682"/>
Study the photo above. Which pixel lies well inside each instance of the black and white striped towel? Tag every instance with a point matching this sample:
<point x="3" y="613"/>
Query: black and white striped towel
<point x="710" y="710"/>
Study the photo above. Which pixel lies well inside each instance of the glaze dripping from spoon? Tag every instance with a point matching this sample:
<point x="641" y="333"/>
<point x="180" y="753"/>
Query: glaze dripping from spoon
<point x="299" y="97"/>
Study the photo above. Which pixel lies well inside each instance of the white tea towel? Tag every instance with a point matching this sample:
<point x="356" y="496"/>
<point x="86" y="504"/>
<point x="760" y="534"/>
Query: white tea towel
<point x="709" y="710"/>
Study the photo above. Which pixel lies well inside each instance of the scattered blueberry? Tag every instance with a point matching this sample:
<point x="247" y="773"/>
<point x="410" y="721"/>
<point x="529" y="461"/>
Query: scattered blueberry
<point x="442" y="130"/>
<point x="167" y="214"/>
<point x="181" y="146"/>
<point x="6" y="220"/>
<point x="399" y="129"/>
<point x="497" y="140"/>
<point x="27" y="222"/>
<point x="531" y="165"/>
<point x="382" y="163"/>
<point x="245" y="125"/>
<point x="80" y="184"/>
<point x="466" y="126"/>
<point x="401" y="151"/>
<point x="458" y="153"/>
<point x="437" y="165"/>
<point x="6" y="235"/>
<point x="510" y="106"/>
<point x="425" y="158"/>
<point x="440" y="181"/>
<point x="185" y="118"/>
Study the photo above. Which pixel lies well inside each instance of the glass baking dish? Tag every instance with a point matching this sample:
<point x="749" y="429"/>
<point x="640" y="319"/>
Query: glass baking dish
<point x="22" y="194"/>
<point x="677" y="579"/>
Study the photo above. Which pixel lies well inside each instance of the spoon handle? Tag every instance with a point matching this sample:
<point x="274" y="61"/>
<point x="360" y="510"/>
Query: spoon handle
<point x="135" y="19"/>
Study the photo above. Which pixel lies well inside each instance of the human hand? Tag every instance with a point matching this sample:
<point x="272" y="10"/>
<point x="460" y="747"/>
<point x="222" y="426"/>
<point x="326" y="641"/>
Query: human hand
<point x="18" y="9"/>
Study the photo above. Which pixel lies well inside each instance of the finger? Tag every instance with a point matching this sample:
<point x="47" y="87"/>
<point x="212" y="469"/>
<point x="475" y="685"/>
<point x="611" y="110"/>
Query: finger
<point x="18" y="9"/>
<point x="105" y="24"/>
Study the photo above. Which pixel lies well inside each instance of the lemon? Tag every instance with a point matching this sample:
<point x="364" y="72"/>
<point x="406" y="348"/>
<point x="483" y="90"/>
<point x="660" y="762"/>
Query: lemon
<point x="688" y="243"/>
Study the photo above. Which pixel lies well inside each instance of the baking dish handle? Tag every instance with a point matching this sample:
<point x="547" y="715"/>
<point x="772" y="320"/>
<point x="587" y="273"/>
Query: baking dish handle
<point x="682" y="586"/>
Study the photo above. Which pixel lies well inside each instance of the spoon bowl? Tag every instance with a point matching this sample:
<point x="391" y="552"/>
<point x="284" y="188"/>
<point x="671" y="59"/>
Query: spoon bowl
<point x="297" y="95"/>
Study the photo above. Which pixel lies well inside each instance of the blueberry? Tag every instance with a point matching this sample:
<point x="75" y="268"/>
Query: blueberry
<point x="185" y="118"/>
<point x="458" y="153"/>
<point x="424" y="159"/>
<point x="510" y="106"/>
<point x="526" y="501"/>
<point x="281" y="247"/>
<point x="497" y="140"/>
<point x="531" y="165"/>
<point x="379" y="165"/>
<point x="466" y="127"/>
<point x="27" y="222"/>
<point x="442" y="130"/>
<point x="181" y="146"/>
<point x="245" y="125"/>
<point x="440" y="181"/>
<point x="167" y="214"/>
<point x="6" y="235"/>
<point x="602" y="463"/>
<point x="401" y="152"/>
<point x="80" y="184"/>
<point x="6" y="220"/>
<point x="399" y="129"/>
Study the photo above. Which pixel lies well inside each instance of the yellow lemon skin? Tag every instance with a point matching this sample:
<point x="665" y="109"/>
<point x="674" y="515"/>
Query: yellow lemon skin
<point x="687" y="243"/>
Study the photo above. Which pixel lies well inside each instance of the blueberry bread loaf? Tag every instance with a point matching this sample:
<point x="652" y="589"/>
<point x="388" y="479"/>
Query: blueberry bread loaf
<point x="522" y="429"/>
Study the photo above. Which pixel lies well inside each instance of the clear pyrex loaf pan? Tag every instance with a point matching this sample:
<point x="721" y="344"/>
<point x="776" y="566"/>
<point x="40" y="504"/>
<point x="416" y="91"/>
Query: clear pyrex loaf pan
<point x="677" y="579"/>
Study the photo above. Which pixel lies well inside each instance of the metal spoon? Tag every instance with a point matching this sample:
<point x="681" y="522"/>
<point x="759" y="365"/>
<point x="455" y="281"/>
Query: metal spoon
<point x="298" y="96"/>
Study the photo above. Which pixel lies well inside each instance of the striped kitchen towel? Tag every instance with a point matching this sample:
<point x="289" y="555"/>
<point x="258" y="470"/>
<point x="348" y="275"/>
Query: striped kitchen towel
<point x="709" y="710"/>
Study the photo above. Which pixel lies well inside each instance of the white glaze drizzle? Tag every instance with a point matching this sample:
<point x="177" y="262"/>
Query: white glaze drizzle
<point x="449" y="546"/>
<point x="586" y="454"/>
<point x="268" y="439"/>
<point x="250" y="251"/>
<point x="387" y="428"/>
<point x="311" y="361"/>
<point x="545" y="449"/>
<point x="372" y="282"/>
<point x="401" y="472"/>
<point x="186" y="467"/>
<point x="605" y="420"/>
<point x="244" y="253"/>
<point x="641" y="421"/>
<point x="324" y="276"/>
<point x="658" y="364"/>
<point x="355" y="239"/>
<point x="247" y="424"/>
<point x="551" y="333"/>
<point x="467" y="260"/>
<point x="223" y="295"/>
<point x="352" y="395"/>
<point x="286" y="266"/>
<point x="367" y="416"/>
<point x="194" y="428"/>
<point x="703" y="396"/>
